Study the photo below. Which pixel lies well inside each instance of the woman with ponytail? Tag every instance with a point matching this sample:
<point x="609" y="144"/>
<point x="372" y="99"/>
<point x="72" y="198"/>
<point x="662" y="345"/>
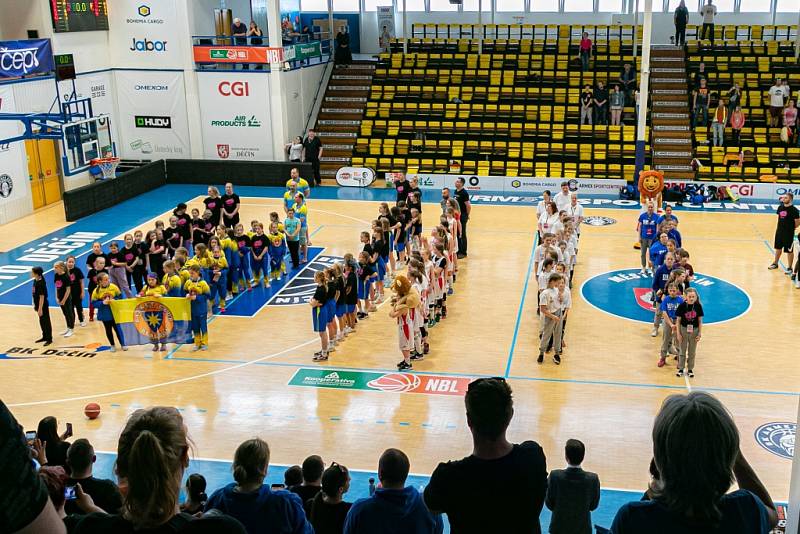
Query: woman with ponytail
<point x="261" y="510"/>
<point x="328" y="508"/>
<point x="152" y="454"/>
<point x="195" y="494"/>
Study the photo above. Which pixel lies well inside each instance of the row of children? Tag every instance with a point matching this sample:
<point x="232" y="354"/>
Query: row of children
<point x="554" y="263"/>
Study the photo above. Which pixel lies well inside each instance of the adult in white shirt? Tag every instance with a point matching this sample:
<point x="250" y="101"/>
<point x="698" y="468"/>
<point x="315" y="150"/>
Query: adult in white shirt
<point x="708" y="11"/>
<point x="541" y="207"/>
<point x="562" y="199"/>
<point x="548" y="219"/>
<point x="776" y="99"/>
<point x="575" y="210"/>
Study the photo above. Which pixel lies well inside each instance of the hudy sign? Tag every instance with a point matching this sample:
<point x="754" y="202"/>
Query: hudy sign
<point x="24" y="58"/>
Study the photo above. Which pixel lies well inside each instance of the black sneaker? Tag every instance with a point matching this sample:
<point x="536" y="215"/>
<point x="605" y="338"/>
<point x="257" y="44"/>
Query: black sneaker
<point x="690" y="374"/>
<point x="402" y="366"/>
<point x="540" y="359"/>
<point x="361" y="315"/>
<point x="417" y="356"/>
<point x="772" y="266"/>
<point x="40" y="340"/>
<point x="557" y="359"/>
<point x="679" y="374"/>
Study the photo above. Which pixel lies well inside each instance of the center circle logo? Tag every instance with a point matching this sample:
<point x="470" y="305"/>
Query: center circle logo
<point x="778" y="438"/>
<point x="594" y="220"/>
<point x="626" y="293"/>
<point x="153" y="319"/>
<point x="395" y="382"/>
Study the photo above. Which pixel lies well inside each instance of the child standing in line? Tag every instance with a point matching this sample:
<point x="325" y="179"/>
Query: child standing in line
<point x="331" y="294"/>
<point x="63" y="295"/>
<point x="139" y="271"/>
<point x="98" y="267"/>
<point x="683" y="260"/>
<point x="669" y="308"/>
<point x="41" y="306"/>
<point x="388" y="228"/>
<point x="660" y="280"/>
<point x="197" y="292"/>
<point x="319" y="317"/>
<point x="366" y="276"/>
<point x="77" y="288"/>
<point x="543" y="281"/>
<point x="379" y="248"/>
<point x="172" y="281"/>
<point x="399" y="229"/>
<point x="690" y="321"/>
<point x="154" y="289"/>
<point x="372" y="259"/>
<point x="417" y="316"/>
<point x="217" y="276"/>
<point x="351" y="291"/>
<point x="550" y="307"/>
<point x="102" y="295"/>
<point x="277" y="252"/>
<point x="243" y="243"/>
<point x="386" y="251"/>
<point x="341" y="301"/>
<point x="259" y="251"/>
<point x="292" y="227"/>
<point x="231" y="249"/>
<point x="118" y="269"/>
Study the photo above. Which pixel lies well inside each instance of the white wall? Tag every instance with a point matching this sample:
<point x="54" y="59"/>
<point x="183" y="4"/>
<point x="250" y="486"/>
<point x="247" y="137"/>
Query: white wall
<point x="300" y="88"/>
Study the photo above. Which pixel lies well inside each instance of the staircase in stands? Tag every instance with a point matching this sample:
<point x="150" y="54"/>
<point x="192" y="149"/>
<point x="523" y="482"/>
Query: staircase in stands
<point x="339" y="119"/>
<point x="669" y="115"/>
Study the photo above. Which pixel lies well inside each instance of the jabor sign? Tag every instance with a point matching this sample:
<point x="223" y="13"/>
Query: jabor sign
<point x="23" y="58"/>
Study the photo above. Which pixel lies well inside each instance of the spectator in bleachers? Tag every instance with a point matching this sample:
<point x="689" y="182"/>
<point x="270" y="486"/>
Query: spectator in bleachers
<point x="512" y="478"/>
<point x="734" y="98"/>
<point x="701" y="74"/>
<point x="394" y="508"/>
<point x="697" y="457"/>
<point x="708" y="11"/>
<point x="776" y="102"/>
<point x="56" y="481"/>
<point x="293" y="476"/>
<point x="681" y="19"/>
<point x="152" y="453"/>
<point x="572" y="493"/>
<point x="790" y="121"/>
<point x="104" y="492"/>
<point x="313" y="467"/>
<point x="54" y="444"/>
<point x="252" y="502"/>
<point x="700" y="106"/>
<point x="718" y="122"/>
<point x="587" y="103"/>
<point x="617" y="100"/>
<point x="196" y="497"/>
<point x="737" y="123"/>
<point x="328" y="508"/>
<point x="627" y="80"/>
<point x="585" y="51"/>
<point x="601" y="104"/>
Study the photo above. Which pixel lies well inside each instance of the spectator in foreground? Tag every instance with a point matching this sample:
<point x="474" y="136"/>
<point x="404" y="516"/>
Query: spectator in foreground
<point x="26" y="505"/>
<point x="293" y="476"/>
<point x="572" y="493"/>
<point x="252" y="502"/>
<point x="313" y="466"/>
<point x="501" y="486"/>
<point x="328" y="508"/>
<point x="152" y="453"/>
<point x="54" y="444"/>
<point x="394" y="508"/>
<point x="104" y="492"/>
<point x="697" y="458"/>
<point x="196" y="497"/>
<point x="55" y="480"/>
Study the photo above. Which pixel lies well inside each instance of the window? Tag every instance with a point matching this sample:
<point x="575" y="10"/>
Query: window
<point x="544" y="5"/>
<point x="345" y="5"/>
<point x="691" y="5"/>
<point x="472" y="5"/>
<point x="372" y="5"/>
<point x="787" y="6"/>
<point x="751" y="6"/>
<point x="609" y="6"/>
<point x="413" y="5"/>
<point x="722" y="6"/>
<point x="574" y="6"/>
<point x="314" y="6"/>
<point x="509" y="5"/>
<point x="443" y="5"/>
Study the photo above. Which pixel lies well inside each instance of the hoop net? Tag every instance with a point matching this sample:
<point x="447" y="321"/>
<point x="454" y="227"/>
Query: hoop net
<point x="108" y="166"/>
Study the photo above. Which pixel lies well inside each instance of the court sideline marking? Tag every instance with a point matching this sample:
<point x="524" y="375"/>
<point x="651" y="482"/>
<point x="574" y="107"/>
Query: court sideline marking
<point x="521" y="305"/>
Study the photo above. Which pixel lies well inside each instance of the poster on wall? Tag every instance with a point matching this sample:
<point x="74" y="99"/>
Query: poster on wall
<point x="385" y="26"/>
<point x="152" y="118"/>
<point x="146" y="34"/>
<point x="99" y="88"/>
<point x="290" y="21"/>
<point x="13" y="171"/>
<point x="236" y="116"/>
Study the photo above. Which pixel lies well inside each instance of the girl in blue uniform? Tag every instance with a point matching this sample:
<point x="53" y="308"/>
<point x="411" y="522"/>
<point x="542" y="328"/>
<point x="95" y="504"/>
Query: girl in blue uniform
<point x="660" y="280"/>
<point x="331" y="294"/>
<point x="366" y="276"/>
<point x="172" y="280"/>
<point x="319" y="317"/>
<point x="277" y="252"/>
<point x="259" y="255"/>
<point x="197" y="291"/>
<point x="102" y="296"/>
<point x="244" y="273"/>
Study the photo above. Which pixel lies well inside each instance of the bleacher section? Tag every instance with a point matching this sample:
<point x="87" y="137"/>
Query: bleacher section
<point x="753" y="62"/>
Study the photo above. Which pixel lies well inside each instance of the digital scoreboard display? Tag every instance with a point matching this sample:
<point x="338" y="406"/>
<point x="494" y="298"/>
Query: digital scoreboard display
<point x="79" y="15"/>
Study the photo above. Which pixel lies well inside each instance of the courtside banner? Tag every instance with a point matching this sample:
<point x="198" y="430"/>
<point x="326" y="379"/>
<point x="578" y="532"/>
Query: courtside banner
<point x="145" y="320"/>
<point x="236" y="116"/>
<point x="355" y="176"/>
<point x="237" y="54"/>
<point x="745" y="190"/>
<point x="516" y="184"/>
<point x="23" y="58"/>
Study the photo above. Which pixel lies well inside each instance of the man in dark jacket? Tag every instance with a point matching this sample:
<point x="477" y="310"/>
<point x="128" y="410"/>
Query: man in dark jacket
<point x="572" y="494"/>
<point x="681" y="20"/>
<point x="394" y="508"/>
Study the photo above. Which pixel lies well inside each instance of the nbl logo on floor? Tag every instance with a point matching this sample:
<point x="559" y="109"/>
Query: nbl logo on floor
<point x="301" y="288"/>
<point x="627" y="294"/>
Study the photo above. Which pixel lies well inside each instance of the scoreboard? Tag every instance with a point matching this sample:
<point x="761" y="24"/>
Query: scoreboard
<point x="79" y="15"/>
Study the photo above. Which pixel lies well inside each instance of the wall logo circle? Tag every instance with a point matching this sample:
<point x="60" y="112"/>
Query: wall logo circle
<point x="778" y="438"/>
<point x="626" y="293"/>
<point x="594" y="220"/>
<point x="6" y="185"/>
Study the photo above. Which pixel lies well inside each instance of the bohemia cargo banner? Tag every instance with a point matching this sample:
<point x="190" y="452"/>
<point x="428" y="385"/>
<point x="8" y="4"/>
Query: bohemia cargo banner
<point x="237" y="54"/>
<point x="23" y="58"/>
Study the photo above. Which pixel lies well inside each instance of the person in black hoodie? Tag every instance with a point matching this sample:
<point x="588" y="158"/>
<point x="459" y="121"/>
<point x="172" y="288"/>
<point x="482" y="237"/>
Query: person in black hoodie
<point x="329" y="509"/>
<point x="394" y="508"/>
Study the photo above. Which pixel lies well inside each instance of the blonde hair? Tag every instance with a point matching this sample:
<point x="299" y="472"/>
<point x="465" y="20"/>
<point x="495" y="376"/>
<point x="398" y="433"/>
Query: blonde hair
<point x="250" y="461"/>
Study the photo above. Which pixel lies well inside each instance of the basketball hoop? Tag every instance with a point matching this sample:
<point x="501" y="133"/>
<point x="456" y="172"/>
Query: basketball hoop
<point x="108" y="166"/>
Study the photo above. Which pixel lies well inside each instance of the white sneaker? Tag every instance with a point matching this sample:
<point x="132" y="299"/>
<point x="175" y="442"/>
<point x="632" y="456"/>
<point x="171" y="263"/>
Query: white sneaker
<point x="195" y="348"/>
<point x="112" y="348"/>
<point x="643" y="272"/>
<point x="204" y="347"/>
<point x="124" y="347"/>
<point x="68" y="333"/>
<point x="797" y="283"/>
<point x="83" y="323"/>
<point x="789" y="271"/>
<point x="64" y="332"/>
<point x="654" y="333"/>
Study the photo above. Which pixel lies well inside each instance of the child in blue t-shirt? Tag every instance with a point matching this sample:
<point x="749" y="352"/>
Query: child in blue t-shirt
<point x="669" y="306"/>
<point x="660" y="279"/>
<point x="658" y="250"/>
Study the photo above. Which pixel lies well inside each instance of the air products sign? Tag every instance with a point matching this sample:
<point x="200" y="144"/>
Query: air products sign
<point x="235" y="116"/>
<point x="146" y="34"/>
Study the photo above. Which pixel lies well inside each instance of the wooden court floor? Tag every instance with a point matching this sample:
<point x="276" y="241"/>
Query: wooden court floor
<point x="605" y="393"/>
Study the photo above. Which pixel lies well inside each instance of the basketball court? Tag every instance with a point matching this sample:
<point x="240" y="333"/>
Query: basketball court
<point x="257" y="378"/>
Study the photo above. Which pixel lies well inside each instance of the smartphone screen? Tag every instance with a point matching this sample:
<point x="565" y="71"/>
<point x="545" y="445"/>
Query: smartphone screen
<point x="30" y="435"/>
<point x="69" y="429"/>
<point x="69" y="493"/>
<point x="278" y="487"/>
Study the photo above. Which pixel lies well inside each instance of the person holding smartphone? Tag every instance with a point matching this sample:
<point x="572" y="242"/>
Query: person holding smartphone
<point x="55" y="445"/>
